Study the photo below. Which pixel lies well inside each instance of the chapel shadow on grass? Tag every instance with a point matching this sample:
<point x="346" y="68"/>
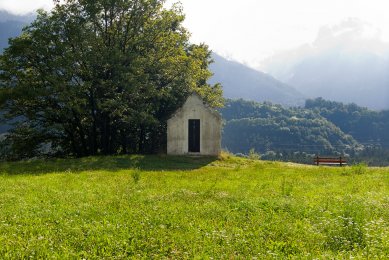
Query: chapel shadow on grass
<point x="106" y="163"/>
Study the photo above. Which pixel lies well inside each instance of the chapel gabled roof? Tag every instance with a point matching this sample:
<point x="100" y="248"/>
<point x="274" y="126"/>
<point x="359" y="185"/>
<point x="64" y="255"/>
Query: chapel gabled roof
<point x="206" y="105"/>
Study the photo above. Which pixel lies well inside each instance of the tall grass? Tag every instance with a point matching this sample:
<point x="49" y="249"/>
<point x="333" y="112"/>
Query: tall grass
<point x="173" y="207"/>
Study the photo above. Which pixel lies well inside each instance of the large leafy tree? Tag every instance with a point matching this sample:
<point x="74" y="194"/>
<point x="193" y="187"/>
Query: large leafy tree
<point x="101" y="77"/>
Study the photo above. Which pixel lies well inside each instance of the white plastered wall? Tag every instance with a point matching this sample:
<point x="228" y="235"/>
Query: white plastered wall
<point x="210" y="128"/>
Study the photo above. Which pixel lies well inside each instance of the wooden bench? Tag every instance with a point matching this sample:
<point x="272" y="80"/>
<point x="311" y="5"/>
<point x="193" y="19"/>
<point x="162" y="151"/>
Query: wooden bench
<point x="319" y="160"/>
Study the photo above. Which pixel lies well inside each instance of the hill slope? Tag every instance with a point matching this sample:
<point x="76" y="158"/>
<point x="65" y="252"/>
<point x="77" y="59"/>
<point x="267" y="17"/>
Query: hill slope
<point x="368" y="127"/>
<point x="240" y="81"/>
<point x="175" y="207"/>
<point x="11" y="26"/>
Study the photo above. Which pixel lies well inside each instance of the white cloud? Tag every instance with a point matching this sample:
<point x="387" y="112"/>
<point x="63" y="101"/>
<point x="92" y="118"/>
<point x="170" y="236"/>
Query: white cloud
<point x="351" y="39"/>
<point x="252" y="30"/>
<point x="351" y="34"/>
<point x="25" y="6"/>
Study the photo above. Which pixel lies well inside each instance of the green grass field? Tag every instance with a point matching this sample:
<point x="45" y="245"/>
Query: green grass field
<point x="172" y="207"/>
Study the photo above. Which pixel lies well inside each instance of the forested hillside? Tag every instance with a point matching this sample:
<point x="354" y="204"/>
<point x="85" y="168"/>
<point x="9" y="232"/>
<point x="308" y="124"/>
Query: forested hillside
<point x="368" y="127"/>
<point x="267" y="127"/>
<point x="321" y="127"/>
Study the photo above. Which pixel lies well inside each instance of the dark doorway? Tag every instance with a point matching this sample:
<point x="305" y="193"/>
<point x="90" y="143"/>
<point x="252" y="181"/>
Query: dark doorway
<point x="194" y="135"/>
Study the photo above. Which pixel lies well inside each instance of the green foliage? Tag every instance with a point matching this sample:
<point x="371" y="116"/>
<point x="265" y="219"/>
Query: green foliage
<point x="359" y="168"/>
<point x="286" y="187"/>
<point x="253" y="155"/>
<point x="102" y="77"/>
<point x="136" y="175"/>
<point x="190" y="208"/>
<point x="26" y="142"/>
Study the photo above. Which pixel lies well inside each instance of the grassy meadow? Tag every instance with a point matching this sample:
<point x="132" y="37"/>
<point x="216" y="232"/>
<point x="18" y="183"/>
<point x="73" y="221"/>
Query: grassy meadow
<point x="173" y="207"/>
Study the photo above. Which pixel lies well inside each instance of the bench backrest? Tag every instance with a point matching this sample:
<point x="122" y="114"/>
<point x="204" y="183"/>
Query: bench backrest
<point x="330" y="160"/>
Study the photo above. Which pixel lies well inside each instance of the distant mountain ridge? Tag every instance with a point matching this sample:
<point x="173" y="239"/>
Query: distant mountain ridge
<point x="346" y="63"/>
<point x="241" y="81"/>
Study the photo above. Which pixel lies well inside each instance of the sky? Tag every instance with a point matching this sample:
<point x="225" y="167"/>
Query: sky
<point x="251" y="31"/>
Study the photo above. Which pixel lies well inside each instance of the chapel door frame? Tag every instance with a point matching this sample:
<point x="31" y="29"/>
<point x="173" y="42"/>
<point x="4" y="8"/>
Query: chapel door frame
<point x="194" y="135"/>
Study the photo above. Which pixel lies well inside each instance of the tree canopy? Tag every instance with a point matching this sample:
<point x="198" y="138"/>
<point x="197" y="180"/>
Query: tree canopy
<point x="100" y="77"/>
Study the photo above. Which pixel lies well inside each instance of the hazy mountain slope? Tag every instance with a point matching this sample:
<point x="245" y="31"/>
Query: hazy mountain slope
<point x="9" y="29"/>
<point x="240" y="81"/>
<point x="4" y="128"/>
<point x="11" y="26"/>
<point x="361" y="78"/>
<point x="346" y="63"/>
